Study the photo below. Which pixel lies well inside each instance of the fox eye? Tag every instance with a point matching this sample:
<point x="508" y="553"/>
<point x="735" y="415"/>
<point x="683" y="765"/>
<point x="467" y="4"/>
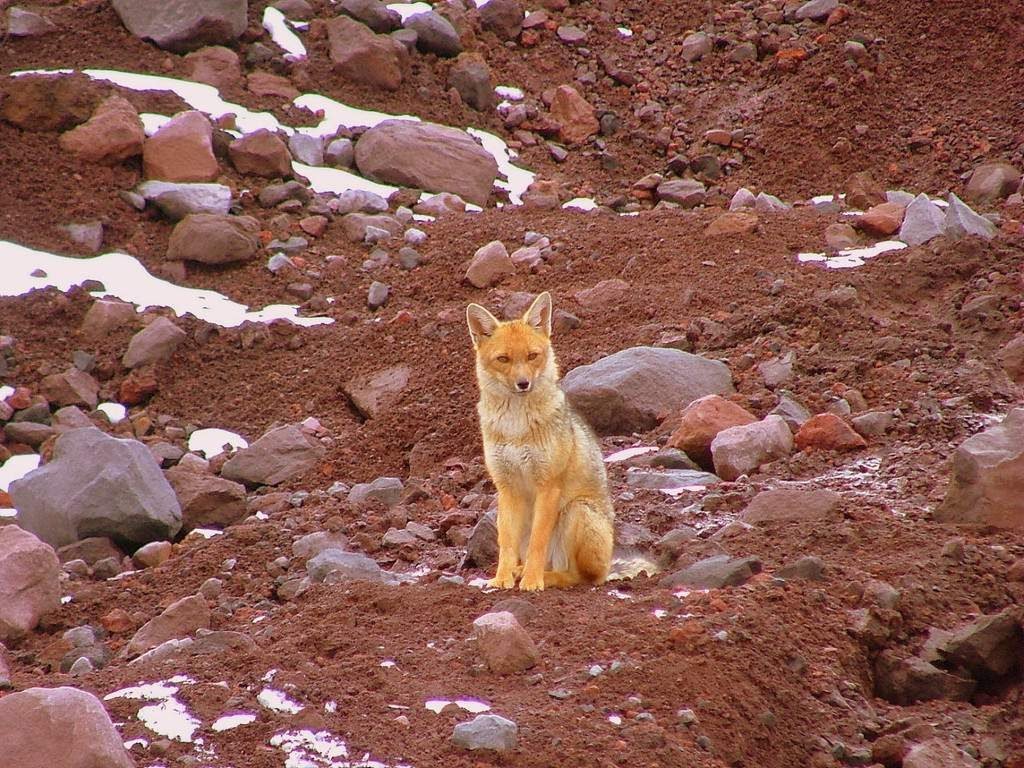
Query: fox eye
<point x="532" y="355"/>
<point x="502" y="358"/>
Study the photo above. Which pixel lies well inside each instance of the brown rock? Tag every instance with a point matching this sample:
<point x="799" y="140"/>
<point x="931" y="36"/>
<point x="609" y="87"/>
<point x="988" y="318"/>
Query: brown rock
<point x="114" y="133"/>
<point x="181" y="619"/>
<point x="29" y="582"/>
<point x="1011" y="357"/>
<point x="268" y="84"/>
<point x="91" y="550"/>
<point x="214" y="65"/>
<point x="73" y="387"/>
<point x="355" y="225"/>
<point x="212" y="238"/>
<point x="789" y="505"/>
<point x="607" y="293"/>
<point x="261" y="153"/>
<point x="182" y="150"/>
<point x="374" y="394"/>
<point x="471" y="77"/>
<point x="153" y="344"/>
<point x="701" y="421"/>
<point x="503" y="17"/>
<point x="206" y="500"/>
<point x="5" y="669"/>
<point x="138" y="386"/>
<point x="28" y="433"/>
<point x="827" y="432"/>
<point x="48" y="102"/>
<point x="862" y="191"/>
<point x="840" y="236"/>
<point x="490" y="264"/>
<point x="882" y="220"/>
<point x="732" y="223"/>
<point x="117" y="621"/>
<point x="574" y="115"/>
<point x="991" y="182"/>
<point x="106" y="315"/>
<point x="505" y="646"/>
<point x="152" y="554"/>
<point x="364" y="57"/>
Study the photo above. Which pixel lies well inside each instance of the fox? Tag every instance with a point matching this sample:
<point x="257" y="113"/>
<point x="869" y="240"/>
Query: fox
<point x="555" y="513"/>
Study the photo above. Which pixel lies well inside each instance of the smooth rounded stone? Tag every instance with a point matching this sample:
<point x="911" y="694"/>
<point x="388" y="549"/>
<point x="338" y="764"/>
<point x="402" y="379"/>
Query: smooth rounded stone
<point x="792" y="505"/>
<point x="702" y="420"/>
<point x="341" y="153"/>
<point x="687" y="193"/>
<point x="47" y="103"/>
<point x="765" y="203"/>
<point x="470" y="76"/>
<point x="214" y="239"/>
<point x="107" y="568"/>
<point x="632" y="390"/>
<point x="205" y="642"/>
<point x="872" y="423"/>
<point x="362" y="56"/>
<point x="59" y="728"/>
<point x="840" y="236"/>
<point x="434" y="34"/>
<point x="152" y="554"/>
<point x="741" y="52"/>
<point x="214" y="65"/>
<point x="732" y="223"/>
<point x="96" y="485"/>
<point x="278" y="455"/>
<point x="181" y="619"/>
<point x="571" y="34"/>
<point x="486" y="732"/>
<point x="335" y="565"/>
<point x="373" y="13"/>
<point x="181" y="150"/>
<point x="184" y="25"/>
<point x="816" y="9"/>
<point x="176" y="201"/>
<point x="211" y="588"/>
<point x="29" y="582"/>
<point x="273" y="195"/>
<point x="377" y="295"/>
<point x="113" y="134"/>
<point x="153" y="344"/>
<point x="809" y="568"/>
<point x="503" y="643"/>
<point x="386" y="490"/>
<point x="714" y="573"/>
<point x="489" y="265"/>
<point x="502" y="17"/>
<point x="306" y="149"/>
<point x="696" y="45"/>
<point x="89" y="550"/>
<point x="414" y="236"/>
<point x="740" y="450"/>
<point x="991" y="182"/>
<point x="961" y="221"/>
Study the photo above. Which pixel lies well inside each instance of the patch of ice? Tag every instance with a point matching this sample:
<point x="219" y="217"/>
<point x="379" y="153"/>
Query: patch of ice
<point x="338" y="180"/>
<point x="331" y="707"/>
<point x="481" y="583"/>
<point x="581" y="203"/>
<point x="810" y="257"/>
<point x="338" y="115"/>
<point x="659" y="613"/>
<point x="227" y="722"/>
<point x="277" y="25"/>
<point x="405" y="10"/>
<point x="629" y="453"/>
<point x="269" y="676"/>
<point x="852" y="257"/>
<point x="278" y="701"/>
<point x="16" y="468"/>
<point x="615" y="719"/>
<point x="206" y="533"/>
<point x="169" y="718"/>
<point x="509" y="92"/>
<point x="516" y="179"/>
<point x="66" y="599"/>
<point x="472" y="706"/>
<point x="210" y="442"/>
<point x="136" y="743"/>
<point x="388" y="663"/>
<point x="115" y="411"/>
<point x="618" y="594"/>
<point x="624" y="31"/>
<point x="309" y="748"/>
<point x="6" y="391"/>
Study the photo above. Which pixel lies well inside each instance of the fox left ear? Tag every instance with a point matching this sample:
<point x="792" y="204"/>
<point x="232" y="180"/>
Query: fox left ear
<point x="481" y="323"/>
<point x="539" y="314"/>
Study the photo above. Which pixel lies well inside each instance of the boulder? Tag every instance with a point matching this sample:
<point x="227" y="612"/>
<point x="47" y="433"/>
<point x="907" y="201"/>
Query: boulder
<point x="990" y="647"/>
<point x="987" y="482"/>
<point x="280" y="454"/>
<point x="701" y="420"/>
<point x="97" y="485"/>
<point x="489" y="265"/>
<point x="714" y="573"/>
<point x="961" y="221"/>
<point x="503" y="17"/>
<point x="181" y="150"/>
<point x="784" y="505"/>
<point x="261" y="153"/>
<point x="211" y="238"/>
<point x="183" y="25"/>
<point x="503" y="643"/>
<point x="922" y="221"/>
<point x="434" y="34"/>
<point x="48" y="102"/>
<point x="991" y="182"/>
<point x="486" y="732"/>
<point x="59" y="728"/>
<point x="827" y="432"/>
<point x="113" y="133"/>
<point x="181" y="619"/>
<point x="176" y="201"/>
<point x="905" y="681"/>
<point x="364" y="57"/>
<point x="374" y="394"/>
<point x="741" y="450"/>
<point x="574" y="115"/>
<point x="635" y="389"/>
<point x="29" y="582"/>
<point x="938" y="753"/>
<point x="206" y="500"/>
<point x="153" y="344"/>
<point x="427" y="156"/>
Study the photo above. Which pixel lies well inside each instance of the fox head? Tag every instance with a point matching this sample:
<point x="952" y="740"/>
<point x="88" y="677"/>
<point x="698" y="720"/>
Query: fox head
<point x="514" y="358"/>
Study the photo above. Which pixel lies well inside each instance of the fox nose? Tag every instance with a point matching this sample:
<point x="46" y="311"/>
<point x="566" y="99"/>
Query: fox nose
<point x="523" y="385"/>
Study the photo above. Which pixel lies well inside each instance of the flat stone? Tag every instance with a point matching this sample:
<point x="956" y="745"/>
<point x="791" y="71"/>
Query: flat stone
<point x="922" y="221"/>
<point x="181" y="150"/>
<point x="176" y="201"/>
<point x="714" y="573"/>
<point x="487" y="732"/>
<point x="386" y="490"/>
<point x="334" y="566"/>
<point x="791" y="505"/>
<point x="278" y="455"/>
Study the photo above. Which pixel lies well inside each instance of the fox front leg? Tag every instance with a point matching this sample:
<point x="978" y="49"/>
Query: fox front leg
<point x="545" y="517"/>
<point x="511" y="518"/>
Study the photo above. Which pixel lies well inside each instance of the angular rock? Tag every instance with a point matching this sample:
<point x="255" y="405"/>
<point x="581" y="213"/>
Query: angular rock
<point x="334" y="565"/>
<point x="59" y="728"/>
<point x="881" y="220"/>
<point x="714" y="573"/>
<point x="905" y="681"/>
<point x="374" y="394"/>
<point x="741" y="450"/>
<point x="732" y="223"/>
<point x="794" y="413"/>
<point x="96" y="485"/>
<point x="106" y="315"/>
<point x="73" y="387"/>
<point x="48" y="102"/>
<point x="306" y="149"/>
<point x="482" y="547"/>
<point x="765" y="203"/>
<point x="181" y="619"/>
<point x="183" y="25"/>
<point x="961" y="221"/>
<point x="791" y="505"/>
<point x="269" y="84"/>
<point x="938" y="753"/>
<point x="206" y="500"/>
<point x="872" y="423"/>
<point x="113" y="133"/>
<point x="743" y="198"/>
<point x="90" y="550"/>
<point x="777" y="371"/>
<point x="696" y="46"/>
<point x="862" y="191"/>
<point x="606" y="294"/>
<point x="701" y="420"/>
<point x="827" y="432"/>
<point x="490" y="264"/>
<point x="364" y="57"/>
<point x="386" y="490"/>
<point x="215" y="65"/>
<point x="471" y="77"/>
<point x="357" y="225"/>
<point x="211" y="238"/>
<point x="991" y="182"/>
<point x="922" y="221"/>
<point x="503" y="17"/>
<point x="505" y="646"/>
<point x="206" y="642"/>
<point x="635" y="389"/>
<point x="28" y="432"/>
<point x="990" y="647"/>
<point x="29" y="582"/>
<point x="487" y="732"/>
<point x="687" y="193"/>
<point x="427" y="156"/>
<point x="88" y="235"/>
<point x="373" y="13"/>
<point x="153" y="344"/>
<point x="313" y="544"/>
<point x="278" y="455"/>
<point x="261" y="153"/>
<point x="1011" y="358"/>
<point x="574" y="115"/>
<point x="434" y="34"/>
<point x="176" y="201"/>
<point x="182" y="150"/>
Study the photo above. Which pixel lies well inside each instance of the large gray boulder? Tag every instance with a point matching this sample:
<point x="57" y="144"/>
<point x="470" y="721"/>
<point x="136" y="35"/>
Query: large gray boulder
<point x="184" y="25"/>
<point x="97" y="485"/>
<point x="29" y="582"/>
<point x="962" y="221"/>
<point x="922" y="221"/>
<point x="987" y="484"/>
<point x="427" y="156"/>
<point x="280" y="454"/>
<point x="59" y="728"/>
<point x="633" y="390"/>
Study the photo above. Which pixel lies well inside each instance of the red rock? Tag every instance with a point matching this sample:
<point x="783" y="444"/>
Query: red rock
<point x="701" y="421"/>
<point x="5" y="499"/>
<point x="20" y="398"/>
<point x="48" y="102"/>
<point x="364" y="57"/>
<point x="788" y="59"/>
<point x="504" y="644"/>
<point x="490" y="264"/>
<point x="732" y="223"/>
<point x="862" y="191"/>
<point x="206" y="500"/>
<point x="790" y="504"/>
<point x="990" y="182"/>
<point x="138" y="386"/>
<point x="113" y="133"/>
<point x="268" y="84"/>
<point x="881" y="220"/>
<point x="73" y="387"/>
<point x="261" y="153"/>
<point x="718" y="136"/>
<point x="29" y="582"/>
<point x="314" y="226"/>
<point x="117" y="621"/>
<point x="214" y="65"/>
<point x="574" y="115"/>
<point x="827" y="432"/>
<point x="181" y="619"/>
<point x="182" y="150"/>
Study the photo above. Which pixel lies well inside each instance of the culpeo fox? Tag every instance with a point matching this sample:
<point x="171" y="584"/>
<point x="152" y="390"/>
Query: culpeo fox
<point x="554" y="512"/>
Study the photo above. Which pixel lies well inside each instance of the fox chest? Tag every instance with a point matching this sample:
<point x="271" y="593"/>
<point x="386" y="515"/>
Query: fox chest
<point x="517" y="464"/>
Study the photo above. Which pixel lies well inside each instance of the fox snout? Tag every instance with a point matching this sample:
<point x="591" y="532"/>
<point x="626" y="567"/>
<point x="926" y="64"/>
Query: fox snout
<point x="523" y="385"/>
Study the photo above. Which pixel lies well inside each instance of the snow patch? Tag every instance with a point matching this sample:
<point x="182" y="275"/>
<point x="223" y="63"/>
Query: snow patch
<point x="278" y="701"/>
<point x="472" y="706"/>
<point x="227" y="722"/>
<point x="210" y="442"/>
<point x="115" y="411"/>
<point x="629" y="453"/>
<point x="281" y="33"/>
<point x="16" y="468"/>
<point x="581" y="203"/>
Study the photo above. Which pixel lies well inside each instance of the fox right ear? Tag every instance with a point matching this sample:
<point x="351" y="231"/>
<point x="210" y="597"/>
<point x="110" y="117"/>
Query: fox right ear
<point x="481" y="323"/>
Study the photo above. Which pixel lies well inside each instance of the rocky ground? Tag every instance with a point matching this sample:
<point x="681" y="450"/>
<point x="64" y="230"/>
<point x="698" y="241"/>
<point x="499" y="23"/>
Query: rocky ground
<point x="788" y="297"/>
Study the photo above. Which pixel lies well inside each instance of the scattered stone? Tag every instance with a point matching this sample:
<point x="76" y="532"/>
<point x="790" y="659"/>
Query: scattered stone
<point x="486" y="732"/>
<point x="152" y="554"/>
<point x="386" y="490"/>
<point x="574" y="115"/>
<point x="696" y="46"/>
<point x="961" y="221"/>
<point x="714" y="573"/>
<point x="176" y="201"/>
<point x="153" y="344"/>
<point x="373" y="13"/>
<point x="503" y="17"/>
<point x="523" y="610"/>
<point x="808" y="568"/>
<point x="181" y="619"/>
<point x="278" y="455"/>
<point x="905" y="681"/>
<point x="114" y="133"/>
<point x="989" y="647"/>
<point x="743" y="198"/>
<point x="261" y="153"/>
<point x="341" y="153"/>
<point x="818" y="10"/>
<point x="792" y="411"/>
<point x="29" y="582"/>
<point x="48" y="102"/>
<point x="668" y="480"/>
<point x="214" y="239"/>
<point x="377" y="295"/>
<point x="28" y="432"/>
<point x="357" y="226"/>
<point x="206" y="642"/>
<point x="635" y="389"/>
<point x="862" y="191"/>
<point x="605" y="295"/>
<point x="434" y="34"/>
<point x="374" y="394"/>
<point x="872" y="423"/>
<point x="881" y="220"/>
<point x="790" y="505"/>
<point x="840" y="236"/>
<point x="185" y="25"/>
<point x="777" y="371"/>
<point x="427" y="156"/>
<point x="687" y="193"/>
<point x="827" y="432"/>
<point x="938" y="753"/>
<point x="922" y="221"/>
<point x="90" y="550"/>
<point x="313" y="544"/>
<point x="96" y="485"/>
<point x="765" y="203"/>
<point x="471" y="77"/>
<point x="505" y="646"/>
<point x="214" y="65"/>
<point x="482" y="547"/>
<point x="334" y="565"/>
<point x="1011" y="357"/>
<point x="702" y="420"/>
<point x="991" y="182"/>
<point x="181" y="150"/>
<point x="490" y="264"/>
<point x="206" y="500"/>
<point x="732" y="223"/>
<point x="24" y="23"/>
<point x="87" y="235"/>
<point x="740" y="450"/>
<point x="59" y="728"/>
<point x="306" y="149"/>
<point x="73" y="387"/>
<point x="364" y="57"/>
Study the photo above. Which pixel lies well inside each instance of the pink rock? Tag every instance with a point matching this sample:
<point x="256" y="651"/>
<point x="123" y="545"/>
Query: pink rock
<point x="29" y="582"/>
<point x="106" y="315"/>
<point x="182" y="150"/>
<point x="113" y="133"/>
<point x="214" y="65"/>
<point x="362" y="56"/>
<point x="152" y="554"/>
<point x="882" y="220"/>
<point x="701" y="422"/>
<point x="607" y="293"/>
<point x="181" y="619"/>
<point x="206" y="500"/>
<point x="504" y="644"/>
<point x="574" y="115"/>
<point x="741" y="450"/>
<point x="261" y="153"/>
<point x="828" y="432"/>
<point x="490" y="264"/>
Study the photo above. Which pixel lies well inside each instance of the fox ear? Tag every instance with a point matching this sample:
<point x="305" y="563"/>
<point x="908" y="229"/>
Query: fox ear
<point x="481" y="323"/>
<point x="539" y="314"/>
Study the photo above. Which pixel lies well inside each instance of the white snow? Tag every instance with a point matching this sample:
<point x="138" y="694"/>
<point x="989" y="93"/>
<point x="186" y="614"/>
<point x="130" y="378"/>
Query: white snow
<point x="338" y="180"/>
<point x="16" y="468"/>
<point x="168" y="717"/>
<point x="210" y="441"/>
<point x="338" y="115"/>
<point x="278" y="701"/>
<point x="472" y="706"/>
<point x="625" y="31"/>
<point x="581" y="203"/>
<point x="629" y="453"/>
<point x="852" y="257"/>
<point x="6" y="391"/>
<point x="509" y="92"/>
<point x="115" y="411"/>
<point x="405" y="10"/>
<point x="517" y="179"/>
<point x="227" y="722"/>
<point x="277" y="25"/>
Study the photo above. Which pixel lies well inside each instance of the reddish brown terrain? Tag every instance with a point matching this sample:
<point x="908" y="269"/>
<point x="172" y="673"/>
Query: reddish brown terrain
<point x="773" y="670"/>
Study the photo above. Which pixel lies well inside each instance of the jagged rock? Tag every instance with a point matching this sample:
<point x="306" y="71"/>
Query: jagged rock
<point x="808" y="568"/>
<point x="153" y="344"/>
<point x="471" y="77"/>
<point x="113" y="133"/>
<point x="176" y="201"/>
<point x="364" y="57"/>
<point x="206" y="500"/>
<point x="261" y="153"/>
<point x="862" y="191"/>
<point x="278" y="455"/>
<point x="905" y="681"/>
<point x="106" y="315"/>
<point x="489" y="265"/>
<point x="29" y="582"/>
<point x="24" y="23"/>
<point x="48" y="102"/>
<point x="574" y="115"/>
<point x="741" y="450"/>
<point x="486" y="732"/>
<point x="938" y="753"/>
<point x="183" y="25"/>
<point x="373" y="13"/>
<point x="387" y="490"/>
<point x="333" y="566"/>
<point x="215" y="65"/>
<point x="687" y="193"/>
<point x="990" y="647"/>
<point x="667" y="480"/>
<point x="922" y="221"/>
<point x="482" y="548"/>
<point x="503" y="17"/>
<point x="181" y="619"/>
<point x="961" y="221"/>
<point x="181" y="150"/>
<point x="73" y="387"/>
<point x="375" y="394"/>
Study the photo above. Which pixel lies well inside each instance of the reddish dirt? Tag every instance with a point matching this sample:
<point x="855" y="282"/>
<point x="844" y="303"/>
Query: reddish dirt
<point x="788" y="683"/>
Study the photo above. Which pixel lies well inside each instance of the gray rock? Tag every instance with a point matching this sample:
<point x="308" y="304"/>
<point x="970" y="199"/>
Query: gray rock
<point x="633" y="390"/>
<point x="667" y="480"/>
<point x="961" y="221"/>
<point x="741" y="450"/>
<point x="293" y="244"/>
<point x="334" y="565"/>
<point x="341" y="153"/>
<point x="275" y="194"/>
<point x="990" y="647"/>
<point x="872" y="423"/>
<point x="211" y="238"/>
<point x="696" y="46"/>
<point x="178" y="200"/>
<point x="180" y="619"/>
<point x="377" y="295"/>
<point x="791" y="505"/>
<point x="809" y="568"/>
<point x="434" y="34"/>
<point x="471" y="78"/>
<point x="357" y="226"/>
<point x="396" y="537"/>
<point x="96" y="485"/>
<point x="205" y="642"/>
<point x="765" y="203"/>
<point x="777" y="371"/>
<point x="313" y="544"/>
<point x="386" y="490"/>
<point x="922" y="221"/>
<point x="89" y="235"/>
<point x="938" y="753"/>
<point x="28" y="432"/>
<point x="184" y="25"/>
<point x="905" y="681"/>
<point x="306" y="149"/>
<point x="23" y="23"/>
<point x="489" y="265"/>
<point x="714" y="573"/>
<point x="816" y="9"/>
<point x="687" y="193"/>
<point x="206" y="500"/>
<point x="743" y="198"/>
<point x="791" y="410"/>
<point x="991" y="182"/>
<point x="278" y="455"/>
<point x="487" y="732"/>
<point x="482" y="548"/>
<point x="360" y="201"/>
<point x="153" y="344"/>
<point x="29" y="582"/>
<point x="373" y="13"/>
<point x="987" y="482"/>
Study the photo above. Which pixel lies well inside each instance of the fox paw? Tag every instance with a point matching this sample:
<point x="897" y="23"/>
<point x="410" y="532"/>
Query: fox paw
<point x="502" y="582"/>
<point x="531" y="583"/>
